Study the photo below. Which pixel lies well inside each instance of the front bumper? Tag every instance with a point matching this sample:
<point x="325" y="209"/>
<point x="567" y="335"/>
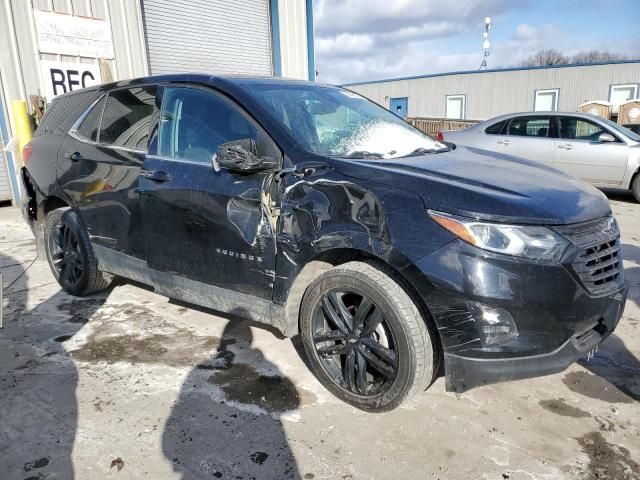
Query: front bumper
<point x="557" y="319"/>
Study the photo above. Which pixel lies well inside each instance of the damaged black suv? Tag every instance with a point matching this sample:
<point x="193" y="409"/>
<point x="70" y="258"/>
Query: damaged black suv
<point x="312" y="209"/>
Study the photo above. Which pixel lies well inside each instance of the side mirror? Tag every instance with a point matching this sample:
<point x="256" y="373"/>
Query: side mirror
<point x="240" y="156"/>
<point x="606" y="138"/>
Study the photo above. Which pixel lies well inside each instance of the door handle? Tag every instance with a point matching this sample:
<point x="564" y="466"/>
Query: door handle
<point x="159" y="176"/>
<point x="74" y="157"/>
<point x="503" y="142"/>
<point x="566" y="146"/>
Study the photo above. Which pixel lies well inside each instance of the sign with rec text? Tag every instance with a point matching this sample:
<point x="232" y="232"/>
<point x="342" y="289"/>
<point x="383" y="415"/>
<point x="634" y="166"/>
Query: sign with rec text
<point x="63" y="77"/>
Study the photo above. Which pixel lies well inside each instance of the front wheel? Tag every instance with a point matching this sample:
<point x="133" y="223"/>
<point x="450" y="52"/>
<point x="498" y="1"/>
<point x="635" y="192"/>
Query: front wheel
<point x="70" y="254"/>
<point x="365" y="338"/>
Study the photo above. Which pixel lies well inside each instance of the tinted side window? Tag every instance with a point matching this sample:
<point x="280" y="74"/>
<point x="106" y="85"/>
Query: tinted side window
<point x="127" y="117"/>
<point x="529" y="127"/>
<point x="88" y="128"/>
<point x="572" y="128"/>
<point x="496" y="128"/>
<point x="194" y="123"/>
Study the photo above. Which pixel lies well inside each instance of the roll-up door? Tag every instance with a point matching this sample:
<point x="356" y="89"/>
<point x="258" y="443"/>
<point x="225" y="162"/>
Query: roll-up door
<point x="205" y="36"/>
<point x="5" y="188"/>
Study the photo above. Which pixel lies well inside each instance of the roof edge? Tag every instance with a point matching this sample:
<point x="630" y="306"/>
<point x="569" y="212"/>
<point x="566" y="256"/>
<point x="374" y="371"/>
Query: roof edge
<point x="494" y="70"/>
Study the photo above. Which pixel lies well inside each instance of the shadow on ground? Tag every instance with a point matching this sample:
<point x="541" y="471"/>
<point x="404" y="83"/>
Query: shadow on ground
<point x="38" y="408"/>
<point x="226" y="422"/>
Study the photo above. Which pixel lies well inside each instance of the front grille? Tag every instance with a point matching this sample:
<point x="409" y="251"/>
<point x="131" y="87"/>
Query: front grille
<point x="598" y="263"/>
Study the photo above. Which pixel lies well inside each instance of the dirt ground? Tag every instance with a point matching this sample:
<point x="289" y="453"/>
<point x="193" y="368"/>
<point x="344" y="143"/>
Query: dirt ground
<point x="128" y="384"/>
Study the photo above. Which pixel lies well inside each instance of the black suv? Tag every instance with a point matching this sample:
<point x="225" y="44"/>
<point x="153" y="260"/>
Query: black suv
<point x="312" y="209"/>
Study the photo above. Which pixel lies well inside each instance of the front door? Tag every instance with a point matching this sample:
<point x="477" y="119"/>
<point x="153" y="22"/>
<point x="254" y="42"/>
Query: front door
<point x="207" y="224"/>
<point x="99" y="164"/>
<point x="399" y="106"/>
<point x="579" y="152"/>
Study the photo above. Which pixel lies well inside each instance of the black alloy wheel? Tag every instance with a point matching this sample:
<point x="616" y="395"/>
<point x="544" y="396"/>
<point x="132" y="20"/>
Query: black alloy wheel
<point x="366" y="340"/>
<point x="66" y="257"/>
<point x="354" y="342"/>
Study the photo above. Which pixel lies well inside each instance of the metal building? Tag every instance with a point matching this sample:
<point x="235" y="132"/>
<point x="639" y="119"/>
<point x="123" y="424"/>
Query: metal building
<point x="49" y="47"/>
<point x="479" y="95"/>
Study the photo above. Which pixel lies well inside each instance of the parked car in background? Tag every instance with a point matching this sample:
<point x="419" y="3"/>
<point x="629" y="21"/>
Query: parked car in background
<point x="312" y="209"/>
<point x="589" y="147"/>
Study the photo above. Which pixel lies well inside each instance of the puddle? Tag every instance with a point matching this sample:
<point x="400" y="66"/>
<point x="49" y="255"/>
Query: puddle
<point x="63" y="338"/>
<point x="592" y="386"/>
<point x="243" y="384"/>
<point x="81" y="310"/>
<point x="561" y="407"/>
<point x="177" y="349"/>
<point x="607" y="461"/>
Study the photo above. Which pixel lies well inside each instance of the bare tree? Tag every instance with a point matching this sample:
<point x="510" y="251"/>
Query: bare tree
<point x="545" y="57"/>
<point x="595" y="56"/>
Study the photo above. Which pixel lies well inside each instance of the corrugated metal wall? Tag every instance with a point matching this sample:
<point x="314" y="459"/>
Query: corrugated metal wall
<point x="293" y="38"/>
<point x="495" y="93"/>
<point x="213" y="37"/>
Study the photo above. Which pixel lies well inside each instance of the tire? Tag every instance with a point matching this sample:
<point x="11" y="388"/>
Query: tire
<point x="72" y="260"/>
<point x="635" y="187"/>
<point x="398" y="356"/>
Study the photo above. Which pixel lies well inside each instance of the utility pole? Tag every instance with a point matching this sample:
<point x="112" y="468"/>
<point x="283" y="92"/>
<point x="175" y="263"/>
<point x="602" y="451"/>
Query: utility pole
<point x="485" y="43"/>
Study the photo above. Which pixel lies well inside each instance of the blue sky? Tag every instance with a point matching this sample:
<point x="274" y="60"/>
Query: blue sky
<point x="370" y="39"/>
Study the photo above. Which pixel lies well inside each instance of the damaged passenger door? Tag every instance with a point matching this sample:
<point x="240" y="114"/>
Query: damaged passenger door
<point x="204" y="220"/>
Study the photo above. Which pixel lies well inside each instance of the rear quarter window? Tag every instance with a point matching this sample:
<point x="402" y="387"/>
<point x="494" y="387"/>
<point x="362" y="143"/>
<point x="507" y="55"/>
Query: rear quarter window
<point x="496" y="128"/>
<point x="64" y="111"/>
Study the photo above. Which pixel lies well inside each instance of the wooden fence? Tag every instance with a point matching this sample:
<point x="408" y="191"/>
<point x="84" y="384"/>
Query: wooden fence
<point x="431" y="126"/>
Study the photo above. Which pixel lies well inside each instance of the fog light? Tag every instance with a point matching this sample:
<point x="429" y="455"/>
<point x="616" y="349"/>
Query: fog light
<point x="495" y="324"/>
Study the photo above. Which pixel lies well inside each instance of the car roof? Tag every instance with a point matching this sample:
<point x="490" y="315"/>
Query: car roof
<point x="201" y="78"/>
<point x="589" y="116"/>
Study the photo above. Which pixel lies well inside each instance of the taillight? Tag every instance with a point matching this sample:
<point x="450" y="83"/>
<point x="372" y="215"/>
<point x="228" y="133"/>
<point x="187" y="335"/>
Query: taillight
<point x="26" y="153"/>
<point x="440" y="137"/>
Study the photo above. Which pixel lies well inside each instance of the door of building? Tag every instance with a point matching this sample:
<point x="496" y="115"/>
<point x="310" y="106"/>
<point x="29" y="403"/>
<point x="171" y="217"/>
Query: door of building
<point x="399" y="106"/>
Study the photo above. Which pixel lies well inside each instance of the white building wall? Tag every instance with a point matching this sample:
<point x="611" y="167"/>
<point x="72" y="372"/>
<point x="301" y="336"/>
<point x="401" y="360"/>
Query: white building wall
<point x="493" y="93"/>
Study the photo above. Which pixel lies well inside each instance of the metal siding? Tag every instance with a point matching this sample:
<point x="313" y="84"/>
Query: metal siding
<point x="212" y="37"/>
<point x="495" y="93"/>
<point x="293" y="38"/>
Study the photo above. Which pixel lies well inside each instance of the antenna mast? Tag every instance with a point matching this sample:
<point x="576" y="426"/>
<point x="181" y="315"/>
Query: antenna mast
<point x="485" y="43"/>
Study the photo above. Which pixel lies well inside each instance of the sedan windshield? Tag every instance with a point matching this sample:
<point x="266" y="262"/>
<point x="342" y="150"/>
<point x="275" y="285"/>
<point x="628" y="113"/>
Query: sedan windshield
<point x="335" y="122"/>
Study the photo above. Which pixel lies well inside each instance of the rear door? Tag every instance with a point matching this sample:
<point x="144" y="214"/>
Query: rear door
<point x="529" y="137"/>
<point x="99" y="164"/>
<point x="211" y="226"/>
<point x="578" y="152"/>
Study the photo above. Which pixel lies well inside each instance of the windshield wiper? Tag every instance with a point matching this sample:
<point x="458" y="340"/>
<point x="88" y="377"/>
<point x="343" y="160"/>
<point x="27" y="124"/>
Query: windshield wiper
<point x="424" y="151"/>
<point x="363" y="154"/>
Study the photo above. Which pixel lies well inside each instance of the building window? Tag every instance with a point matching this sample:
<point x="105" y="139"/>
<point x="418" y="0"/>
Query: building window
<point x="619" y="94"/>
<point x="546" y="100"/>
<point x="456" y="106"/>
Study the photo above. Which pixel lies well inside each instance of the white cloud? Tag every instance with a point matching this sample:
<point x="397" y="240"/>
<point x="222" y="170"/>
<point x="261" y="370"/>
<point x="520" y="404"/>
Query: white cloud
<point x="359" y="40"/>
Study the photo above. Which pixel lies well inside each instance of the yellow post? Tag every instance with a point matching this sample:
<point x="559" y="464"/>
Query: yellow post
<point x="23" y="124"/>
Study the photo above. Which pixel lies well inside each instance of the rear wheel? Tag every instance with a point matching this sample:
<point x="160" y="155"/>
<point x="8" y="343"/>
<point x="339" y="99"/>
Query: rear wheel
<point x="70" y="254"/>
<point x="365" y="338"/>
<point x="635" y="187"/>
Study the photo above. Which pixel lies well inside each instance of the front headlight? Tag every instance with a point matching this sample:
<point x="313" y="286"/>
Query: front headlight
<point x="537" y="243"/>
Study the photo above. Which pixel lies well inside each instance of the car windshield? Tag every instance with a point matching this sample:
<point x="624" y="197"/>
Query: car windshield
<point x="335" y="122"/>
<point x="623" y="130"/>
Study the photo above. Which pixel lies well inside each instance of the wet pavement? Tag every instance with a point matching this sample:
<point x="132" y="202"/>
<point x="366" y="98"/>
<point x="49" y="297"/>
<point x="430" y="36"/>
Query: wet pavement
<point x="129" y="384"/>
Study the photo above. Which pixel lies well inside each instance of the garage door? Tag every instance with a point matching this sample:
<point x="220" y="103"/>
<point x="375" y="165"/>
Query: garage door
<point x="224" y="36"/>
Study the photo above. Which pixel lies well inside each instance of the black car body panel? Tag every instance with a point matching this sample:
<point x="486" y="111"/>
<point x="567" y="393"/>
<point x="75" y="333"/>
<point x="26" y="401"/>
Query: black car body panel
<point x="240" y="242"/>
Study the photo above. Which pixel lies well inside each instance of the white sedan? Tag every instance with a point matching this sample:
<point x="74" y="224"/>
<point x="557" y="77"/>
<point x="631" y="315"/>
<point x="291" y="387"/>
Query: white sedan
<point x="589" y="147"/>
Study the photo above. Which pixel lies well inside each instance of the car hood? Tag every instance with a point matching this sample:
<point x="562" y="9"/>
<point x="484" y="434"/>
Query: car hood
<point x="487" y="185"/>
